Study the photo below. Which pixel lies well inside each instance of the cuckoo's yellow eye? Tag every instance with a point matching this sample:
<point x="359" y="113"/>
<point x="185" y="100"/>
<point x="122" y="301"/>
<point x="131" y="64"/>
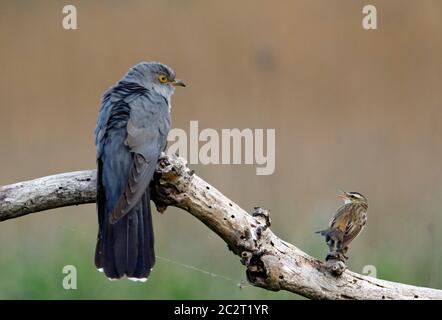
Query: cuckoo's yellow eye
<point x="162" y="78"/>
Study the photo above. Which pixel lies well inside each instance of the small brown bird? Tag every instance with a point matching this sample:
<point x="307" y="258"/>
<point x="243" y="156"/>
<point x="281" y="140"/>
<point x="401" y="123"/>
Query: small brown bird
<point x="346" y="224"/>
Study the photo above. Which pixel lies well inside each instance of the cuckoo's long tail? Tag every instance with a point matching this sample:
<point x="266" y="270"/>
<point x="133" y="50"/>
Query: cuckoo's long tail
<point x="126" y="247"/>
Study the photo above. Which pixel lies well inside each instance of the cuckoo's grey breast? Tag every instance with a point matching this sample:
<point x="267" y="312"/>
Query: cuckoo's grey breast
<point x="131" y="133"/>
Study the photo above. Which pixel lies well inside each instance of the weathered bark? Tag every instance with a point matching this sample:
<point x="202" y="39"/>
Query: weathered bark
<point x="271" y="263"/>
<point x="60" y="190"/>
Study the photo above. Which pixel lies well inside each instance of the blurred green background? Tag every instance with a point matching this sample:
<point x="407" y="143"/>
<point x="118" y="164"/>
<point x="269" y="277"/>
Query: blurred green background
<point x="353" y="109"/>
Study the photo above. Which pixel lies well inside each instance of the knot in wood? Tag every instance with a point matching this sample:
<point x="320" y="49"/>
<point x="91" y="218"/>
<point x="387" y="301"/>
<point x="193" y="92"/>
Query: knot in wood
<point x="262" y="216"/>
<point x="335" y="267"/>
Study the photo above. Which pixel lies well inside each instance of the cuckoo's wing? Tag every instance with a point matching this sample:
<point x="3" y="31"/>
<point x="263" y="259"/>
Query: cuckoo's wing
<point x="102" y="122"/>
<point x="146" y="142"/>
<point x="114" y="110"/>
<point x="140" y="175"/>
<point x="114" y="161"/>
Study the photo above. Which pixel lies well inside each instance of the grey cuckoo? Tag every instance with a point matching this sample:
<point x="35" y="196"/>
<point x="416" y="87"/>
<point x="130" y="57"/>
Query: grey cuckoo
<point x="131" y="133"/>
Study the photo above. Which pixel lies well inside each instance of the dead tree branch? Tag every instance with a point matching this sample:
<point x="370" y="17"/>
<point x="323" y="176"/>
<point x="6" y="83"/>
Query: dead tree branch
<point x="270" y="262"/>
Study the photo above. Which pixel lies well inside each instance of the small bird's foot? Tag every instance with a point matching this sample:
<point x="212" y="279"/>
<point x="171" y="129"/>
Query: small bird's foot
<point x="343" y="253"/>
<point x="332" y="256"/>
<point x="336" y="256"/>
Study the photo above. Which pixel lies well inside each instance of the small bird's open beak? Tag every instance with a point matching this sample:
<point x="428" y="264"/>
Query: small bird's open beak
<point x="178" y="83"/>
<point x="343" y="195"/>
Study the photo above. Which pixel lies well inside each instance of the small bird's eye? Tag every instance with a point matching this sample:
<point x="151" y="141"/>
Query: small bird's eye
<point x="162" y="78"/>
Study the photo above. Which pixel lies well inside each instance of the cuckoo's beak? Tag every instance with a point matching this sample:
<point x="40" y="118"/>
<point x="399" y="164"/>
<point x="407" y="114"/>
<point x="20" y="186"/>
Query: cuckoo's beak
<point x="178" y="83"/>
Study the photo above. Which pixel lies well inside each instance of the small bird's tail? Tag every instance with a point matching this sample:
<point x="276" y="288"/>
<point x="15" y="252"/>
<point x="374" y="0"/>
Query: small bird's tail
<point x="331" y="233"/>
<point x="324" y="233"/>
<point x="127" y="246"/>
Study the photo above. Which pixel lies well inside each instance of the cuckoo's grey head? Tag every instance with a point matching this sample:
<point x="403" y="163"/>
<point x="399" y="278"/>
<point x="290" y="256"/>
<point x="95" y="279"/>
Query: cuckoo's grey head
<point x="155" y="76"/>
